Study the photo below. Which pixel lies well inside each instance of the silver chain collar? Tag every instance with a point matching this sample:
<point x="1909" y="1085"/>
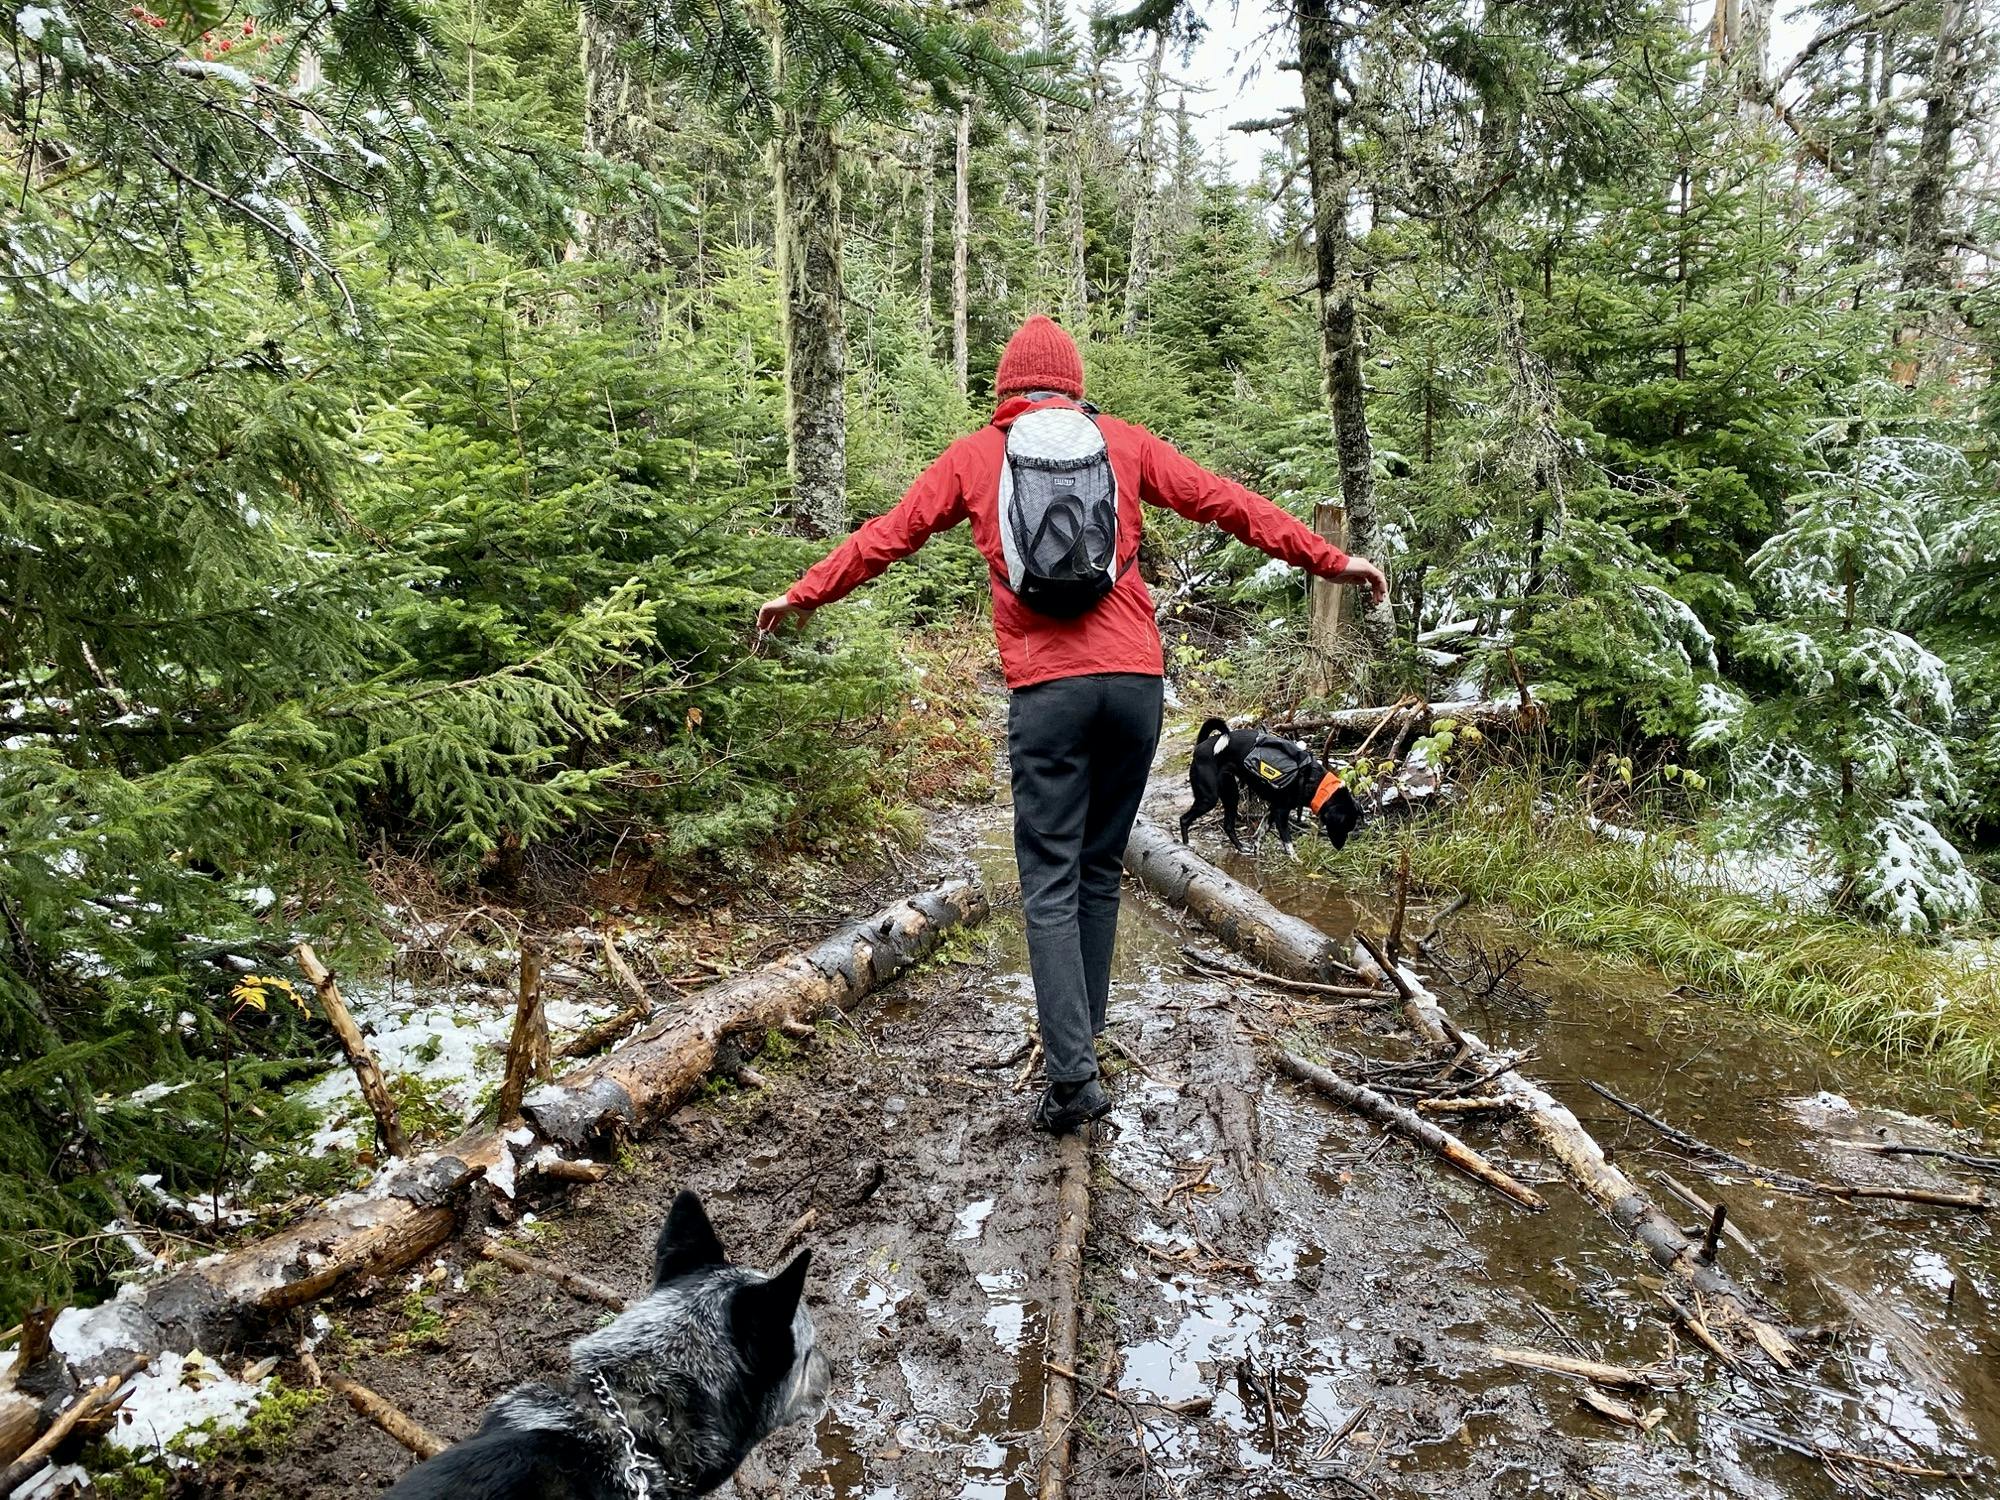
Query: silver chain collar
<point x="634" y="1480"/>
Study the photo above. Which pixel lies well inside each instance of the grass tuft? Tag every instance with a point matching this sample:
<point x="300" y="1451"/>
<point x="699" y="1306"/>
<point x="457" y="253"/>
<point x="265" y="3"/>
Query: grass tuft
<point x="1503" y="840"/>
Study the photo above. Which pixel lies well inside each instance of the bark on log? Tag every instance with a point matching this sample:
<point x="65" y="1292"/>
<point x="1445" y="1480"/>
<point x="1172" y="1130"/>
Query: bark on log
<point x="20" y="1420"/>
<point x="1065" y="1308"/>
<point x="1232" y="911"/>
<point x="419" y="1439"/>
<point x="417" y="1204"/>
<point x="1411" y="1127"/>
<point x="1289" y="945"/>
<point x="355" y="1045"/>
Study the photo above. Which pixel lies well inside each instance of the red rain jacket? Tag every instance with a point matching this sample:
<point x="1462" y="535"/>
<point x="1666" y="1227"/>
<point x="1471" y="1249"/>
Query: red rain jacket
<point x="1118" y="635"/>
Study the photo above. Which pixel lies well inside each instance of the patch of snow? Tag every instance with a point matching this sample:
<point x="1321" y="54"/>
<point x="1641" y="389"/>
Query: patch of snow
<point x="182" y="1393"/>
<point x="58" y="1479"/>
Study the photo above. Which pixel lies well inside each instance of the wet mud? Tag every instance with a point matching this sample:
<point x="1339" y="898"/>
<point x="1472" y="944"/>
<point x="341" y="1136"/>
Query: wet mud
<point x="1279" y="1300"/>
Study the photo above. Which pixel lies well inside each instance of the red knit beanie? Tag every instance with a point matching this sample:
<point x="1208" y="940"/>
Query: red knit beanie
<point x="1040" y="357"/>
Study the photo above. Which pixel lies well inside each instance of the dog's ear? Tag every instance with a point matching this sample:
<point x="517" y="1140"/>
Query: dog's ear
<point x="687" y="1241"/>
<point x="760" y="1318"/>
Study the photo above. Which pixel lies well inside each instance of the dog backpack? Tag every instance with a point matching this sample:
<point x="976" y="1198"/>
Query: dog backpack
<point x="1274" y="763"/>
<point x="1058" y="512"/>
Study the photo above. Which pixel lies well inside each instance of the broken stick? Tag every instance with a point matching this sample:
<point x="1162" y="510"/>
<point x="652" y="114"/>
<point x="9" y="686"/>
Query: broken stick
<point x="528" y="1044"/>
<point x="1622" y="1376"/>
<point x="1411" y="1127"/>
<point x="574" y="1282"/>
<point x="1059" y="1393"/>
<point x="419" y="1439"/>
<point x="100" y="1400"/>
<point x="355" y="1045"/>
<point x="596" y="1038"/>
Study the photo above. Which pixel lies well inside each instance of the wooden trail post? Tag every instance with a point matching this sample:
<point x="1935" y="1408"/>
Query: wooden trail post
<point x="1327" y="599"/>
<point x="355" y="1045"/>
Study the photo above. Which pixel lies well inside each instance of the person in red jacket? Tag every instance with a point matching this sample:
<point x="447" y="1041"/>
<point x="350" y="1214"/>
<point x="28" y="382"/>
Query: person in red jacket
<point x="1084" y="693"/>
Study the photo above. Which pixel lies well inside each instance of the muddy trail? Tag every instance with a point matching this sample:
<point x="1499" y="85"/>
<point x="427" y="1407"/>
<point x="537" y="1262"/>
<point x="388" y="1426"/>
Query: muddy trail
<point x="1279" y="1299"/>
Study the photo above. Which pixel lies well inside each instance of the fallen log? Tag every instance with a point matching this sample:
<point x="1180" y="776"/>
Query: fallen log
<point x="1273" y="939"/>
<point x="1411" y="1127"/>
<point x="1212" y="964"/>
<point x="1959" y="1158"/>
<point x="1488" y="715"/>
<point x="1791" y="1182"/>
<point x="1582" y="1160"/>
<point x="1065" y="1310"/>
<point x="1596" y="1371"/>
<point x="589" y="1288"/>
<point x="418" y="1203"/>
<point x="100" y="1400"/>
<point x="405" y="1429"/>
<point x="355" y="1045"/>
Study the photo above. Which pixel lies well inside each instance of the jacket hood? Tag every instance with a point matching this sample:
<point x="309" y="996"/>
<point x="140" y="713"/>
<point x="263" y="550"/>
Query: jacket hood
<point x="1005" y="413"/>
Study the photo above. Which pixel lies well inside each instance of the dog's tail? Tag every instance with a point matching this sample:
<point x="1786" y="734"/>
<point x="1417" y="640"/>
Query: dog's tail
<point x="1211" y="727"/>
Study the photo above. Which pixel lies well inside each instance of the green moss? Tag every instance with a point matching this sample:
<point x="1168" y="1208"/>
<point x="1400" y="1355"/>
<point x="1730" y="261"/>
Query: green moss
<point x="120" y="1474"/>
<point x="423" y="1326"/>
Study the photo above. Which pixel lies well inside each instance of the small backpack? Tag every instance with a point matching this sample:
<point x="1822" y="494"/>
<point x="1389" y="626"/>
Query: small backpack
<point x="1274" y="763"/>
<point x="1058" y="512"/>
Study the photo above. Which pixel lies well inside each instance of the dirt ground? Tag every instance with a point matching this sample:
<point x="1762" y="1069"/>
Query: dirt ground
<point x="1279" y="1299"/>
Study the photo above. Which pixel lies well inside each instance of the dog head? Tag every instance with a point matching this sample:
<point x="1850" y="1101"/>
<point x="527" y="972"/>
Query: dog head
<point x="714" y="1359"/>
<point x="1339" y="816"/>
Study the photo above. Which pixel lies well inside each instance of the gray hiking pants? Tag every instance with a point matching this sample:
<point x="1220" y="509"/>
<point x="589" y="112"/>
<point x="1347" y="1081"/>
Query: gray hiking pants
<point x="1080" y="749"/>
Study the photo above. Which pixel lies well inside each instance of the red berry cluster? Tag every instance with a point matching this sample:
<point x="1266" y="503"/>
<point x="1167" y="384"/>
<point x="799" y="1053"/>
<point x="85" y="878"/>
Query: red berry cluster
<point x="146" y="18"/>
<point x="213" y="46"/>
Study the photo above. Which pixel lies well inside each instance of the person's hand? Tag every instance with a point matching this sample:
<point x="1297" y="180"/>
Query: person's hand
<point x="780" y="611"/>
<point x="1364" y="574"/>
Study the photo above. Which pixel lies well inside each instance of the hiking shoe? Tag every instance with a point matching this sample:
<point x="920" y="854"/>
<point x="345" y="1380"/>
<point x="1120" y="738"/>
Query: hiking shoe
<point x="1066" y="1107"/>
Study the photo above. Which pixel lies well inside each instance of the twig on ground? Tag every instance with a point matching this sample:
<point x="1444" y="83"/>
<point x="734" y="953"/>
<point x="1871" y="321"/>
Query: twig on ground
<point x="574" y="1282"/>
<point x="100" y="1400"/>
<point x="419" y="1439"/>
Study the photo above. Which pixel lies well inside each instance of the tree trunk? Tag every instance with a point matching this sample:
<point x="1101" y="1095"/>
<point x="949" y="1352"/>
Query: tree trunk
<point x="961" y="247"/>
<point x="806" y="168"/>
<point x="619" y="125"/>
<point x="927" y="241"/>
<point x="1079" y="270"/>
<point x="406" y="1212"/>
<point x="1926" y="255"/>
<point x="1330" y="173"/>
<point x="1139" y="270"/>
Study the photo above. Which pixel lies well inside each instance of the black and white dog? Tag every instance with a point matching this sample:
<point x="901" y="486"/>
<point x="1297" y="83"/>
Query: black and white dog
<point x="665" y="1400"/>
<point x="1283" y="774"/>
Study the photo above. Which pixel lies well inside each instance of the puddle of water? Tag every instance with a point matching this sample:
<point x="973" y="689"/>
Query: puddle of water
<point x="972" y="1219"/>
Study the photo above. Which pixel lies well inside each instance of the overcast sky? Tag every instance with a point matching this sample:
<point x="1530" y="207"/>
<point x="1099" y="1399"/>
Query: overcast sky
<point x="1233" y="73"/>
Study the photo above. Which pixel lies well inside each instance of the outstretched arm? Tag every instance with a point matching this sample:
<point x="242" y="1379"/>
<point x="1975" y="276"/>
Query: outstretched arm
<point x="1170" y="478"/>
<point x="934" y="503"/>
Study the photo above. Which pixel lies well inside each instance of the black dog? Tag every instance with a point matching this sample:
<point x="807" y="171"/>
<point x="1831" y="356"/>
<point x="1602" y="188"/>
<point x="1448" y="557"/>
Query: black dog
<point x="1283" y="774"/>
<point x="664" y="1400"/>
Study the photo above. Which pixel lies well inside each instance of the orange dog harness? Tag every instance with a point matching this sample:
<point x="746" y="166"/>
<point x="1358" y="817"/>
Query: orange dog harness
<point x="1328" y="785"/>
